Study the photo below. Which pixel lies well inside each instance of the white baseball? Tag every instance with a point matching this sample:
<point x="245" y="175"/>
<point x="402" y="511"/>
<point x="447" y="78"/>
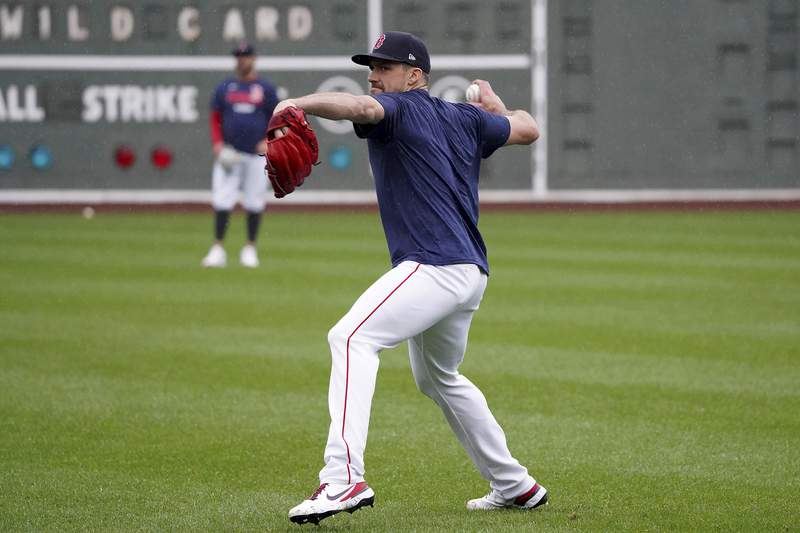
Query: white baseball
<point x="473" y="93"/>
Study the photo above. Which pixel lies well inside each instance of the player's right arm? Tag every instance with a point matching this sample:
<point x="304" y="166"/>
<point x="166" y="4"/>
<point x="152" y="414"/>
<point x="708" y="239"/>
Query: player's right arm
<point x="215" y="124"/>
<point x="359" y="109"/>
<point x="524" y="129"/>
<point x="215" y="121"/>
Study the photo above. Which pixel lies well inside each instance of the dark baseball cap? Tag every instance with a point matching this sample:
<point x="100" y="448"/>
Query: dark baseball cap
<point x="244" y="49"/>
<point x="398" y="46"/>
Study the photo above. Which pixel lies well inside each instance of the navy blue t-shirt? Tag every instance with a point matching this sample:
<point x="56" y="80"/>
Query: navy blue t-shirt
<point x="426" y="156"/>
<point x="245" y="108"/>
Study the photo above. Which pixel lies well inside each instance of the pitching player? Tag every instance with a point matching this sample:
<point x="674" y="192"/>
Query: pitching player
<point x="425" y="154"/>
<point x="240" y="110"/>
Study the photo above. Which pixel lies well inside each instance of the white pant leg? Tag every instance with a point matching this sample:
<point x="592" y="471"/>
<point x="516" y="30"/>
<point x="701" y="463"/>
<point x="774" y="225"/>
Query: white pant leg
<point x="225" y="186"/>
<point x="254" y="183"/>
<point x="435" y="356"/>
<point x="405" y="301"/>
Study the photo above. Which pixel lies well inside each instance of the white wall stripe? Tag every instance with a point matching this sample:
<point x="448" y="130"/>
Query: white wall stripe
<point x="374" y="22"/>
<point x="225" y="63"/>
<point x="484" y="62"/>
<point x="99" y="196"/>
<point x="539" y="87"/>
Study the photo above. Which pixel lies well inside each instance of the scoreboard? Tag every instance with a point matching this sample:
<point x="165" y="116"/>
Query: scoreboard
<point x="106" y="86"/>
<point x="632" y="95"/>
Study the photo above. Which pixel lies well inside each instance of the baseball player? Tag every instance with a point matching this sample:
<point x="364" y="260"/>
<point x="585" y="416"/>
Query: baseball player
<point x="425" y="155"/>
<point x="240" y="111"/>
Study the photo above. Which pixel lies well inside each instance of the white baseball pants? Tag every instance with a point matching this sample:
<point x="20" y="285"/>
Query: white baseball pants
<point x="432" y="307"/>
<point x="248" y="176"/>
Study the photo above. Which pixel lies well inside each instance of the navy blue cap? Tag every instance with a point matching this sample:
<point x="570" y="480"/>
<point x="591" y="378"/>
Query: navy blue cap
<point x="244" y="49"/>
<point x="398" y="46"/>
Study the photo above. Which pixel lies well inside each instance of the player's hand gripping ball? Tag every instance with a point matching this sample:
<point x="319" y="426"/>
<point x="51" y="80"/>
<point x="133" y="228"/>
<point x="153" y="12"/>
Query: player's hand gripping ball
<point x="473" y="93"/>
<point x="291" y="156"/>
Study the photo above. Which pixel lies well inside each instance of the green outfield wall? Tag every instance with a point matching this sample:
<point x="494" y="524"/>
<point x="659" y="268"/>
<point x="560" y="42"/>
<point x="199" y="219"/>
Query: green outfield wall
<point x="645" y="95"/>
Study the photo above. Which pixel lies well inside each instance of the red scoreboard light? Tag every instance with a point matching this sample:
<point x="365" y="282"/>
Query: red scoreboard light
<point x="124" y="157"/>
<point x="161" y="157"/>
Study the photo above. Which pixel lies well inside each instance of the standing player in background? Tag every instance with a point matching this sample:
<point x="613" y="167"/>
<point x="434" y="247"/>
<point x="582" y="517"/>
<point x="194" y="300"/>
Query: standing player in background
<point x="425" y="155"/>
<point x="240" y="111"/>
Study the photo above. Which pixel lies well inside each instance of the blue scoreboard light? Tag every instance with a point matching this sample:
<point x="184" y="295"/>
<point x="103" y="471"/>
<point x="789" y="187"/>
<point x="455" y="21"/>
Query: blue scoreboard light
<point x="7" y="157"/>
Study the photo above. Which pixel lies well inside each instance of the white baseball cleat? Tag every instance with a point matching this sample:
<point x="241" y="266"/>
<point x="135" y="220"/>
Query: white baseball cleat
<point x="216" y="257"/>
<point x="330" y="499"/>
<point x="249" y="257"/>
<point x="536" y="497"/>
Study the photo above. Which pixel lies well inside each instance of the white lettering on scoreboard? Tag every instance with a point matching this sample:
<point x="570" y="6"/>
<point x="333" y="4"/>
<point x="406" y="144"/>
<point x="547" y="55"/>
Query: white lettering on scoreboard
<point x="189" y="24"/>
<point x="267" y="24"/>
<point x="19" y="104"/>
<point x="132" y="103"/>
<point x="108" y="103"/>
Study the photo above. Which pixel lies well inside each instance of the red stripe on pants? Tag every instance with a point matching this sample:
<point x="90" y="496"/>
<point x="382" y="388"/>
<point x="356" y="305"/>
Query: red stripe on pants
<point x="347" y="368"/>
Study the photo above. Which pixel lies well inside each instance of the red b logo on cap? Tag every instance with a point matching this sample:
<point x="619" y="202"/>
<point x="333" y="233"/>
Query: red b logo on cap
<point x="380" y="40"/>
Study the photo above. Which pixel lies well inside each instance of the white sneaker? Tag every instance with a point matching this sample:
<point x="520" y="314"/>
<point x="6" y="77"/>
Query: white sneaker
<point x="536" y="497"/>
<point x="330" y="499"/>
<point x="249" y="257"/>
<point x="216" y="257"/>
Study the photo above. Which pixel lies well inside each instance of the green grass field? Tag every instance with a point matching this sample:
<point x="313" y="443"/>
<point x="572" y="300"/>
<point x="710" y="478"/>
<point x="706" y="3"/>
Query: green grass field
<point x="645" y="367"/>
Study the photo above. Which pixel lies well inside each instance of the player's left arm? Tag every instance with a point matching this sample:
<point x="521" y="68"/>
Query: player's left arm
<point x="361" y="109"/>
<point x="524" y="129"/>
<point x="268" y="107"/>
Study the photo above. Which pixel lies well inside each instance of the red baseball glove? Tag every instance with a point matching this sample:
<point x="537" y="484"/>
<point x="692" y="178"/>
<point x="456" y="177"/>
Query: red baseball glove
<point x="290" y="158"/>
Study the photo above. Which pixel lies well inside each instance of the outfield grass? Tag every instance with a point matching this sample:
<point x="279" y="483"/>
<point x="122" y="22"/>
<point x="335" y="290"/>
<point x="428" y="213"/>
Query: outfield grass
<point x="645" y="367"/>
